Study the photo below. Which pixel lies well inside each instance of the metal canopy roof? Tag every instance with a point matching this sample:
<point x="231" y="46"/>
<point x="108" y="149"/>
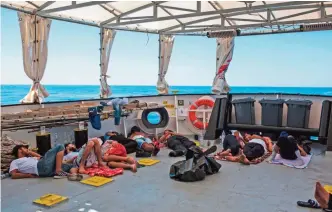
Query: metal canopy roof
<point x="181" y="17"/>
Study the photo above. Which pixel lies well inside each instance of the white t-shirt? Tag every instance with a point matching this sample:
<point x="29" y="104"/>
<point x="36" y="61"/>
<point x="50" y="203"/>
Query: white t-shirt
<point x="70" y="156"/>
<point x="26" y="165"/>
<point x="259" y="141"/>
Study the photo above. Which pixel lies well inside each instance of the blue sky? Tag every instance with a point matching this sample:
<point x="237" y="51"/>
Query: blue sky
<point x="297" y="59"/>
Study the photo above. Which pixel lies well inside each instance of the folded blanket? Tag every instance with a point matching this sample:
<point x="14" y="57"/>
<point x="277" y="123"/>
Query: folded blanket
<point x="292" y="163"/>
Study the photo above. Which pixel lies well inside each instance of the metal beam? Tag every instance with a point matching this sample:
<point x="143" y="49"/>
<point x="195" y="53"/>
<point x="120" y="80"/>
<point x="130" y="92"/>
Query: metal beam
<point x="199" y="6"/>
<point x="269" y="11"/>
<point x="279" y="6"/>
<point x="138" y="17"/>
<point x="308" y="21"/>
<point x="73" y="6"/>
<point x="322" y="10"/>
<point x="177" y="8"/>
<point x="33" y="4"/>
<point x="19" y="9"/>
<point x="249" y="20"/>
<point x="46" y="4"/>
<point x="221" y="15"/>
<point x="169" y="13"/>
<point x="190" y="23"/>
<point x="275" y="9"/>
<point x="297" y="14"/>
<point x="221" y="8"/>
<point x="155" y="11"/>
<point x="131" y="11"/>
<point x="108" y="10"/>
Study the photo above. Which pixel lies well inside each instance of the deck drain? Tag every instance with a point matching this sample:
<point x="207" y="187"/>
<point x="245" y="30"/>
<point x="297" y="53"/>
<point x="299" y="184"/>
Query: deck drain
<point x="89" y="204"/>
<point x="81" y="209"/>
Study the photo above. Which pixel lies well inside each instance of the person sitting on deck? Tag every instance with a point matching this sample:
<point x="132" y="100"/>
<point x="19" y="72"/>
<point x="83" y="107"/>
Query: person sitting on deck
<point x="30" y="164"/>
<point x="254" y="148"/>
<point x="176" y="142"/>
<point x="143" y="141"/>
<point x="89" y="154"/>
<point x="288" y="148"/>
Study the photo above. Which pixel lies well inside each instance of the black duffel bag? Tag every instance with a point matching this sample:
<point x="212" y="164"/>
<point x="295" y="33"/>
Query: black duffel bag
<point x="196" y="166"/>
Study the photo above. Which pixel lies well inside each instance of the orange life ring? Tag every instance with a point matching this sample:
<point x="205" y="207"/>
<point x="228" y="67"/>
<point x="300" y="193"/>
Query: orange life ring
<point x="192" y="114"/>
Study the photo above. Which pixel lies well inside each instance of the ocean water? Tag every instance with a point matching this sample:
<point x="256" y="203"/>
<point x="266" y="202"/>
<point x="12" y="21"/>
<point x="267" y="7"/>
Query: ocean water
<point x="12" y="94"/>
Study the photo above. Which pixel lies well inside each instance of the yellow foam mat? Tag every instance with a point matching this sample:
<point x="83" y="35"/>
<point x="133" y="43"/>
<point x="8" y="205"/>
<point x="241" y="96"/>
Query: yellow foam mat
<point x="96" y="181"/>
<point x="197" y="143"/>
<point x="148" y="161"/>
<point x="50" y="200"/>
<point x="328" y="188"/>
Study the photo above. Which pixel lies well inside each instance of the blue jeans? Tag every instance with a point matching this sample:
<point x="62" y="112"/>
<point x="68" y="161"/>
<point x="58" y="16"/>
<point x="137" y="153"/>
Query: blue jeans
<point x="46" y="165"/>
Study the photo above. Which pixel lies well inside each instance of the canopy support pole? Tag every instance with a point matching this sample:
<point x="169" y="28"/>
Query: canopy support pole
<point x="106" y="42"/>
<point x="165" y="51"/>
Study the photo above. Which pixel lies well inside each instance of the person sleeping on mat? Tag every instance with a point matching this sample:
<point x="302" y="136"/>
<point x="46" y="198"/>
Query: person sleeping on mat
<point x="143" y="141"/>
<point x="30" y="164"/>
<point x="288" y="148"/>
<point x="88" y="155"/>
<point x="113" y="154"/>
<point x="116" y="157"/>
<point x="323" y="197"/>
<point x="248" y="150"/>
<point x="176" y="142"/>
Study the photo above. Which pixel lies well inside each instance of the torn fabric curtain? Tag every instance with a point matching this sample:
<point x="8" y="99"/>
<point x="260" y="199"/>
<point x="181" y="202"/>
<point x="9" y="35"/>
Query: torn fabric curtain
<point x="165" y="51"/>
<point x="34" y="33"/>
<point x="225" y="48"/>
<point x="107" y="38"/>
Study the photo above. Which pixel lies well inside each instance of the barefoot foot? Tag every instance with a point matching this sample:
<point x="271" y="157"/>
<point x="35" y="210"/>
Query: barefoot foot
<point x="244" y="160"/>
<point x="133" y="168"/>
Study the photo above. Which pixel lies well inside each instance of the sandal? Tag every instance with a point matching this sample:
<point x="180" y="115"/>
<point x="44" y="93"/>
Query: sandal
<point x="309" y="204"/>
<point x="75" y="177"/>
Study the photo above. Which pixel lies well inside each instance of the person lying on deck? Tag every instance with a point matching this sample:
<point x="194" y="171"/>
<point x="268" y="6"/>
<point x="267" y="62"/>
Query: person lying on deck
<point x="116" y="157"/>
<point x="89" y="154"/>
<point x="231" y="146"/>
<point x="71" y="153"/>
<point x="143" y="141"/>
<point x="30" y="164"/>
<point x="128" y="143"/>
<point x="251" y="149"/>
<point x="176" y="142"/>
<point x="112" y="160"/>
<point x="288" y="148"/>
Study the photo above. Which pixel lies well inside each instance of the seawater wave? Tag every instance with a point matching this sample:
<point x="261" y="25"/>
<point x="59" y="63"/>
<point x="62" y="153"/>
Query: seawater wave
<point x="12" y="94"/>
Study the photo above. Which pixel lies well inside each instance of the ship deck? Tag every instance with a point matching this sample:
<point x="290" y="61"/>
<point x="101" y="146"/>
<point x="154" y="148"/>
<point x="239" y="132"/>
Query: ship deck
<point x="263" y="187"/>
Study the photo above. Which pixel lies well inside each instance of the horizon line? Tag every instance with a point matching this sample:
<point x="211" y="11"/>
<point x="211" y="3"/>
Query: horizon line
<point x="177" y="85"/>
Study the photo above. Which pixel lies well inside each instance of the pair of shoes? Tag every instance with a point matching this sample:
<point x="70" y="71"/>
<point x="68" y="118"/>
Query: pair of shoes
<point x="176" y="153"/>
<point x="142" y="154"/>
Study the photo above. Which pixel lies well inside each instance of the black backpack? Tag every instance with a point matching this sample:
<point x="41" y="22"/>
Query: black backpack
<point x="196" y="166"/>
